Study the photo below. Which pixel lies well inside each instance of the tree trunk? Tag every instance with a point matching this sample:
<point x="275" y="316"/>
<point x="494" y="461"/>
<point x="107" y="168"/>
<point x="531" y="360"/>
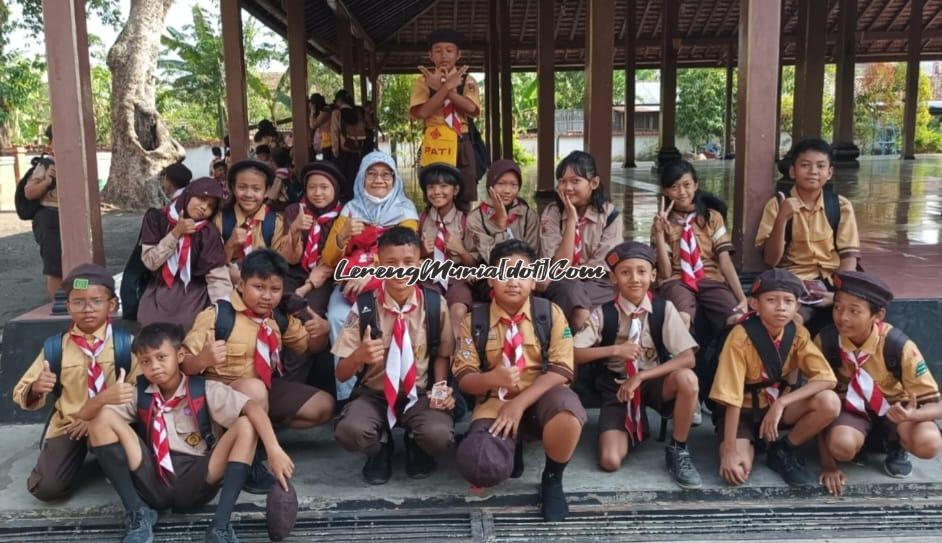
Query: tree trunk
<point x="141" y="144"/>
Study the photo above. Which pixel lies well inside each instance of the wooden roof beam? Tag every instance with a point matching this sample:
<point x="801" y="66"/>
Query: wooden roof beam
<point x="340" y="6"/>
<point x="411" y="21"/>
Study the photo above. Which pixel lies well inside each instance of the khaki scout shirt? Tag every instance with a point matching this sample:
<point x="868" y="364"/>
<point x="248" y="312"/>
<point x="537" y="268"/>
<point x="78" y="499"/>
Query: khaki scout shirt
<point x="375" y="377"/>
<point x="240" y="347"/>
<point x="740" y="365"/>
<point x="421" y="94"/>
<point x="223" y="403"/>
<point x="279" y="241"/>
<point x="712" y="239"/>
<point x="674" y="333"/>
<point x="914" y="371"/>
<point x="484" y="234"/>
<point x="597" y="239"/>
<point x="455" y="226"/>
<point x="466" y="361"/>
<point x="812" y="253"/>
<point x="74" y="379"/>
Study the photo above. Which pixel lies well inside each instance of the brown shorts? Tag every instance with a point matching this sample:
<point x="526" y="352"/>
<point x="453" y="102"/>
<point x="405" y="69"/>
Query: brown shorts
<point x="60" y="461"/>
<point x="570" y="294"/>
<point x="286" y="397"/>
<point x="715" y="298"/>
<point x="47" y="235"/>
<point x="885" y="428"/>
<point x="612" y="412"/>
<point x="467" y="165"/>
<point x="363" y="426"/>
<point x="186" y="488"/>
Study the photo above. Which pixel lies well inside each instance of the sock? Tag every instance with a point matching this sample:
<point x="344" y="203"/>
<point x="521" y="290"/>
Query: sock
<point x="114" y="462"/>
<point x="553" y="469"/>
<point x="518" y="462"/>
<point x="232" y="482"/>
<point x="678" y="444"/>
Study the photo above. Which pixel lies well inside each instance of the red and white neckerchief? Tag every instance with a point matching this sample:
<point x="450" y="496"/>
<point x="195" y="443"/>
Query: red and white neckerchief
<point x="249" y="226"/>
<point x="634" y="419"/>
<point x="773" y="391"/>
<point x="862" y="392"/>
<point x="283" y="173"/>
<point x="691" y="263"/>
<point x="450" y="113"/>
<point x="176" y="196"/>
<point x="511" y="354"/>
<point x="400" y="361"/>
<point x="159" y="438"/>
<point x="96" y="376"/>
<point x="489" y="212"/>
<point x="441" y="242"/>
<point x="577" y="253"/>
<point x="312" y="246"/>
<point x="179" y="261"/>
<point x="267" y="346"/>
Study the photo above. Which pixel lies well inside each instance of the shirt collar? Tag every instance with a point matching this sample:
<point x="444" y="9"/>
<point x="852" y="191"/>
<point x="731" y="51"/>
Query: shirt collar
<point x="241" y="217"/>
<point x="179" y="393"/>
<point x="448" y="218"/>
<point x="498" y="313"/>
<point x="869" y="346"/>
<point x="98" y="334"/>
<point x="390" y="304"/>
<point x="624" y="304"/>
<point x="591" y="214"/>
<point x="819" y="204"/>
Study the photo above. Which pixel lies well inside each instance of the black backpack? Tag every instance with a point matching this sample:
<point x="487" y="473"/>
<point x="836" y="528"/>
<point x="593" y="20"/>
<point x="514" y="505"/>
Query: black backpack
<point x="229" y="223"/>
<point x="195" y="399"/>
<point x="225" y="320"/>
<point x="26" y="209"/>
<point x="135" y="279"/>
<point x="893" y="347"/>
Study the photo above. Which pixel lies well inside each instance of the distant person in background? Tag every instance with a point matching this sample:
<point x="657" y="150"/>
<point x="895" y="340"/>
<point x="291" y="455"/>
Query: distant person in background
<point x="42" y="186"/>
<point x="348" y="133"/>
<point x="174" y="179"/>
<point x="320" y="126"/>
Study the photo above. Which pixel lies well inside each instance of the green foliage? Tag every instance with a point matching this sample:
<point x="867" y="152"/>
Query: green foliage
<point x="702" y="98"/>
<point x="394" y="118"/>
<point x="22" y="95"/>
<point x="525" y="89"/>
<point x="521" y="156"/>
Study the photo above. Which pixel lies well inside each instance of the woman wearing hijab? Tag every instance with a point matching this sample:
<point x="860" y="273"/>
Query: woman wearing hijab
<point x="183" y="248"/>
<point x="379" y="203"/>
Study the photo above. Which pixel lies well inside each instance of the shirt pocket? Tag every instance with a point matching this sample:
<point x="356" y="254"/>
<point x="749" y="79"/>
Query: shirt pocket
<point x="186" y="428"/>
<point x="237" y="357"/>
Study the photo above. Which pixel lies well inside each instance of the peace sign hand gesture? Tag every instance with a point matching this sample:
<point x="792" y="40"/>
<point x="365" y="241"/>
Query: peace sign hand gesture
<point x="661" y="225"/>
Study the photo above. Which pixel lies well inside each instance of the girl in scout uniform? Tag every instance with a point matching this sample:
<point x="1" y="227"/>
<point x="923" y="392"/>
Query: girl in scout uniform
<point x="503" y="214"/>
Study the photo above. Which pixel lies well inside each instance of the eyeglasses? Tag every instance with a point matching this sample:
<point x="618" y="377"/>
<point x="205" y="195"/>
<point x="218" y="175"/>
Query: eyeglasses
<point x="95" y="304"/>
<point x="385" y="176"/>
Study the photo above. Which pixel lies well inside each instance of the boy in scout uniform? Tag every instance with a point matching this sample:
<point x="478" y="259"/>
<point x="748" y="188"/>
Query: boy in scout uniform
<point x="885" y="382"/>
<point x="445" y="98"/>
<point x="521" y="386"/>
<point x="391" y="358"/>
<point x="755" y="382"/>
<point x="77" y="369"/>
<point x="635" y="374"/>
<point x="172" y="464"/>
<point x="811" y="231"/>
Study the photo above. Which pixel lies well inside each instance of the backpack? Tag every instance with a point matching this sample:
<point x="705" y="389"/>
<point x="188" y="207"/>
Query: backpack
<point x="268" y="225"/>
<point x="225" y="320"/>
<point x="135" y="279"/>
<point x="482" y="158"/>
<point x="893" y="347"/>
<point x="832" y="209"/>
<point x="195" y="399"/>
<point x="26" y="209"/>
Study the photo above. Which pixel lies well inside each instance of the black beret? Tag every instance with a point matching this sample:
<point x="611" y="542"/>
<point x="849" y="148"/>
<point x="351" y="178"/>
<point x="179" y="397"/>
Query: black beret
<point x="87" y="275"/>
<point x="325" y="168"/>
<point x="445" y="35"/>
<point x="630" y="249"/>
<point x="863" y="285"/>
<point x="485" y="460"/>
<point x="426" y="173"/>
<point x="777" y="280"/>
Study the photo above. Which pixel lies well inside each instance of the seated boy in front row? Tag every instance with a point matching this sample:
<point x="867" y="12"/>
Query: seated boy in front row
<point x="755" y="379"/>
<point x="884" y="379"/>
<point x="84" y="372"/>
<point x="388" y="349"/>
<point x="636" y="376"/>
<point x="183" y="457"/>
<point x="521" y="384"/>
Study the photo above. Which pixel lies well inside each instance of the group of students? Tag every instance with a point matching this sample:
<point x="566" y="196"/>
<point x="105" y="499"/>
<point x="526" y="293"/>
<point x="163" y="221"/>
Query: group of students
<point x="235" y="281"/>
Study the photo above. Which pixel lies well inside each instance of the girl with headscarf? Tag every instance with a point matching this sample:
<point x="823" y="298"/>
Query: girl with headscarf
<point x="379" y="202"/>
<point x="183" y="248"/>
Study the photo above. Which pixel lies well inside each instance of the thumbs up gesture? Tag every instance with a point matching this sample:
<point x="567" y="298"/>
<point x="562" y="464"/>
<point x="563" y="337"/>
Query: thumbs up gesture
<point x="46" y="381"/>
<point x="120" y="392"/>
<point x="371" y="351"/>
<point x="214" y="350"/>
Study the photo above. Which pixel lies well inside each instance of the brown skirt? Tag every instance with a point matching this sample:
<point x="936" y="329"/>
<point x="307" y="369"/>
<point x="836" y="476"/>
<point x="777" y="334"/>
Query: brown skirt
<point x="176" y="304"/>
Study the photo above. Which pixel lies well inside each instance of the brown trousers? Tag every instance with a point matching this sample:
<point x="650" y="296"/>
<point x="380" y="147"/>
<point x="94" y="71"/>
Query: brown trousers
<point x="715" y="298"/>
<point x="362" y="425"/>
<point x="60" y="461"/>
<point x="467" y="165"/>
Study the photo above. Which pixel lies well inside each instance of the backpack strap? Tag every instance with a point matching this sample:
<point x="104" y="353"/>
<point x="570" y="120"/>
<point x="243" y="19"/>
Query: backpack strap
<point x="143" y="406"/>
<point x="611" y="217"/>
<point x="480" y="328"/>
<point x="542" y="312"/>
<point x="196" y="398"/>
<point x="228" y="223"/>
<point x="772" y="359"/>
<point x="609" y="323"/>
<point x="831" y="346"/>
<point x="484" y="222"/>
<point x="268" y="226"/>
<point x="893" y="352"/>
<point x="121" y="339"/>
<point x="832" y="210"/>
<point x="52" y="353"/>
<point x="225" y="319"/>
<point x="281" y="319"/>
<point x="433" y="332"/>
<point x="366" y="307"/>
<point x="656" y="324"/>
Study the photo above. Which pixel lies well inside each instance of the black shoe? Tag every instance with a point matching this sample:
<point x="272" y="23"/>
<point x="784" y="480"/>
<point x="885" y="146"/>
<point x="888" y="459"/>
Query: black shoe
<point x="260" y="479"/>
<point x="552" y="499"/>
<point x="680" y="466"/>
<point x="419" y="464"/>
<point x="518" y="462"/>
<point x="784" y="461"/>
<point x="140" y="524"/>
<point x="216" y="535"/>
<point x="378" y="468"/>
<point x="897" y="464"/>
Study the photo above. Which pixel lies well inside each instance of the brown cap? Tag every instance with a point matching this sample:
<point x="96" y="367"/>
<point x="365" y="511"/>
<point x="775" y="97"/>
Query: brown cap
<point x="501" y="167"/>
<point x="87" y="275"/>
<point x="863" y="285"/>
<point x="484" y="460"/>
<point x="325" y="168"/>
<point x="630" y="249"/>
<point x="777" y="280"/>
<point x="206" y="187"/>
<point x="281" y="511"/>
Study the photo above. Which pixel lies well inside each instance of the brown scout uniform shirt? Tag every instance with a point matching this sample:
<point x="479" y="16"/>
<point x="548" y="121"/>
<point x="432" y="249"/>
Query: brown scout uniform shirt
<point x="421" y="94"/>
<point x="455" y="226"/>
<point x="484" y="234"/>
<point x="278" y="239"/>
<point x="712" y="239"/>
<point x="597" y="240"/>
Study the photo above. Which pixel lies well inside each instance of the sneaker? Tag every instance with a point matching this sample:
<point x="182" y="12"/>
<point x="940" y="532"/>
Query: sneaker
<point x="552" y="499"/>
<point x="378" y="468"/>
<point x="697" y="416"/>
<point x="419" y="464"/>
<point x="897" y="464"/>
<point x="518" y="462"/>
<point x="784" y="461"/>
<point x="217" y="535"/>
<point x="260" y="479"/>
<point x="140" y="524"/>
<point x="680" y="466"/>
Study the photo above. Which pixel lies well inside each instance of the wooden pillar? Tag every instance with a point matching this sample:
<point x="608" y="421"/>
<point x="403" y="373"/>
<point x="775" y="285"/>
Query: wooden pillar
<point x="759" y="29"/>
<point x="373" y="81"/>
<point x="546" y="103"/>
<point x="911" y="99"/>
<point x="506" y="87"/>
<point x="345" y="42"/>
<point x="809" y="69"/>
<point x="668" y="125"/>
<point x="363" y="63"/>
<point x="493" y="81"/>
<point x="600" y="38"/>
<point x="297" y="65"/>
<point x="233" y="57"/>
<point x="728" y="110"/>
<point x="73" y="122"/>
<point x="630" y="66"/>
<point x="845" y="152"/>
